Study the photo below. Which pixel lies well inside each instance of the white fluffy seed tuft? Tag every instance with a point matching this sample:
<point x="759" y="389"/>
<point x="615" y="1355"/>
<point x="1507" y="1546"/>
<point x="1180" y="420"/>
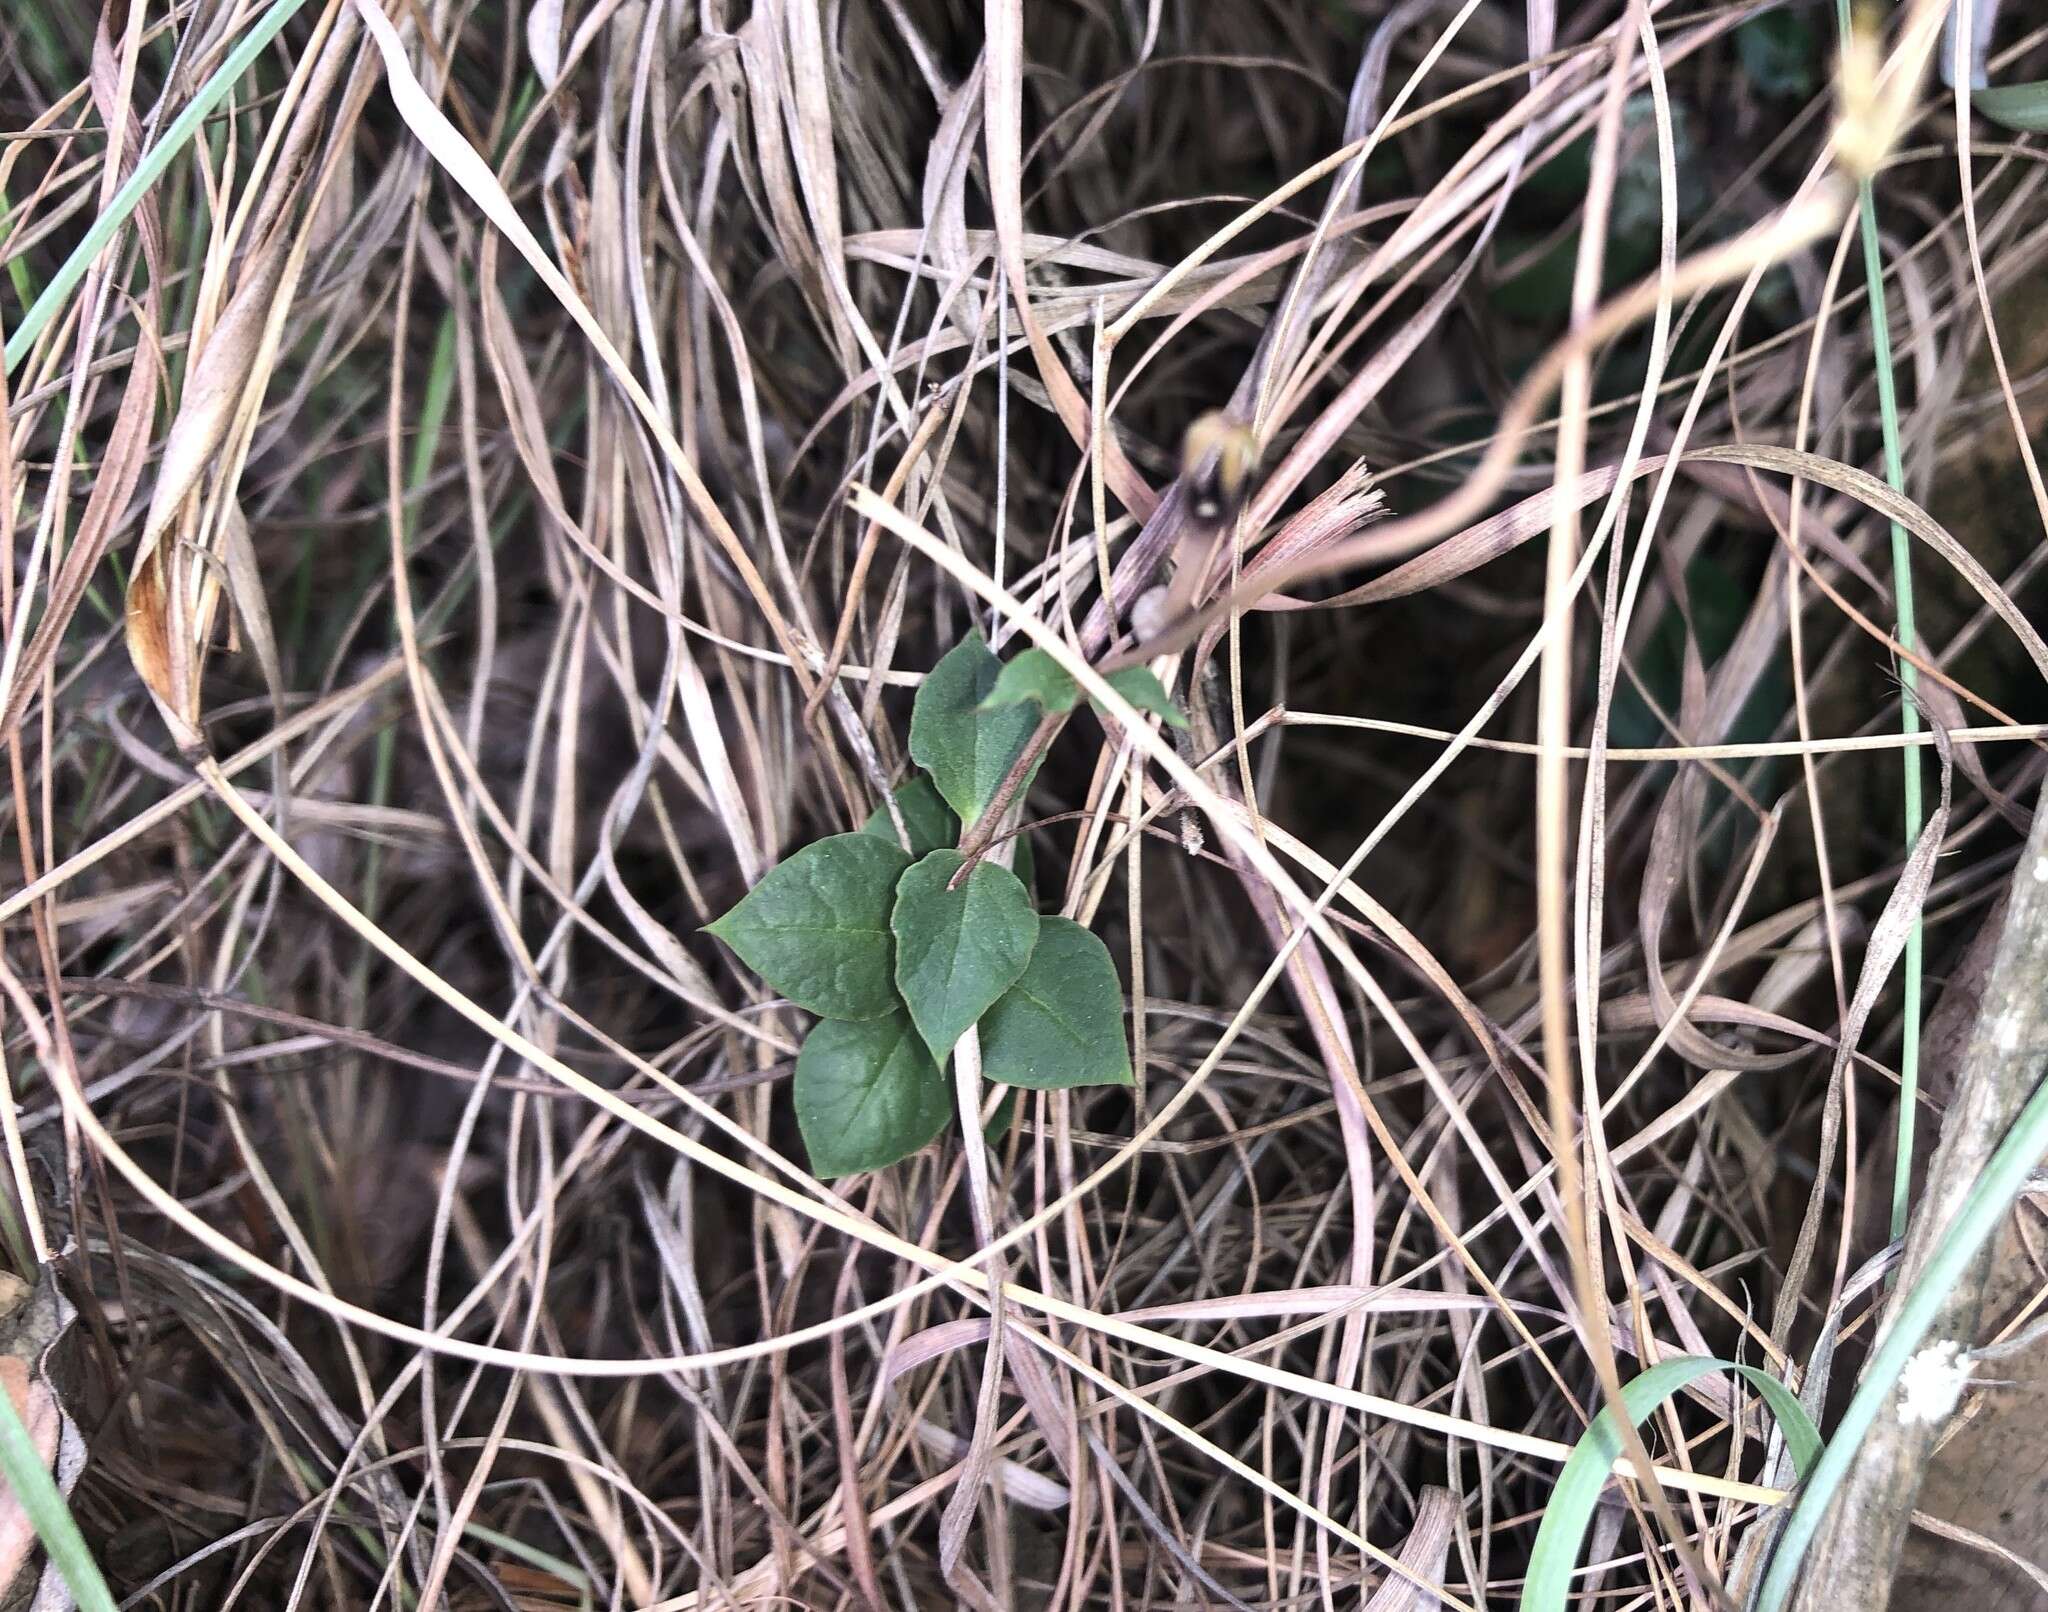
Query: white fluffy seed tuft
<point x="1932" y="1384"/>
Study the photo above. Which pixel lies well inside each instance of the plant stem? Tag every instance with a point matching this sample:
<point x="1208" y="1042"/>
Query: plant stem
<point x="974" y="843"/>
<point x="1859" y="1499"/>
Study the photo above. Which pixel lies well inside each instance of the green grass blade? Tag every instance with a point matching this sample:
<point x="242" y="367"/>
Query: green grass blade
<point x="17" y="265"/>
<point x="433" y="417"/>
<point x="1569" y="1514"/>
<point x="147" y="172"/>
<point x="568" y="1572"/>
<point x="1909" y="712"/>
<point x="36" y="1493"/>
<point x="1980" y="1216"/>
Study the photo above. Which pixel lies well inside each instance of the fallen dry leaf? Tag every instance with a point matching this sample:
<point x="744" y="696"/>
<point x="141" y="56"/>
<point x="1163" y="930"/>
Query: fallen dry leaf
<point x="33" y="1321"/>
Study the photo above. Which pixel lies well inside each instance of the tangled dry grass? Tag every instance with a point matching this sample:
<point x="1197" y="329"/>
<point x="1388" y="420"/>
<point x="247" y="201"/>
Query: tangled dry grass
<point x="497" y="492"/>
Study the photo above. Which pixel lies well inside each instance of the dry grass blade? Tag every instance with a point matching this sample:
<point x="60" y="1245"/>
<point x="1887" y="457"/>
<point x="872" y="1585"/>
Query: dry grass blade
<point x="553" y="444"/>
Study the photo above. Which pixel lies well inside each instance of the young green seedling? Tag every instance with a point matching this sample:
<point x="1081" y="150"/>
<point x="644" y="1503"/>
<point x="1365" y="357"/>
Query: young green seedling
<point x="901" y="949"/>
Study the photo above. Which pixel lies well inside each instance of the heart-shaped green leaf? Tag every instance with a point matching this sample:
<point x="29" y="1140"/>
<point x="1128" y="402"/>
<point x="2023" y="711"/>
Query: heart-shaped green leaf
<point x="817" y="927"/>
<point x="867" y="1094"/>
<point x="1035" y="678"/>
<point x="1062" y="1023"/>
<point x="1140" y="688"/>
<point x="968" y="751"/>
<point x="957" y="950"/>
<point x="929" y="820"/>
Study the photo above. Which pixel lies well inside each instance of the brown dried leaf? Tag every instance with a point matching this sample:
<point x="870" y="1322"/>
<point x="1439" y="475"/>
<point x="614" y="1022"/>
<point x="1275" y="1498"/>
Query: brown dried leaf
<point x="213" y="390"/>
<point x="34" y="1322"/>
<point x="153" y="647"/>
<point x="1423" y="1552"/>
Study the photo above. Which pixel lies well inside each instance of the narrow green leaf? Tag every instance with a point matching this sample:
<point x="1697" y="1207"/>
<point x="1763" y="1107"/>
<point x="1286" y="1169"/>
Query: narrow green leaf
<point x="968" y="751"/>
<point x="147" y="171"/>
<point x="1566" y="1518"/>
<point x="1062" y="1023"/>
<point x="2023" y="108"/>
<point x="1982" y="1212"/>
<point x="957" y="950"/>
<point x="1893" y="445"/>
<point x="49" y="1513"/>
<point x="1138" y="686"/>
<point x="929" y="820"/>
<point x="1033" y="677"/>
<point x="867" y="1094"/>
<point x="816" y="928"/>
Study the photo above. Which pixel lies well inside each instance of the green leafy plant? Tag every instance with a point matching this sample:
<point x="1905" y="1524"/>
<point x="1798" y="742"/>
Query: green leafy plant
<point x="1780" y="55"/>
<point x="902" y="943"/>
